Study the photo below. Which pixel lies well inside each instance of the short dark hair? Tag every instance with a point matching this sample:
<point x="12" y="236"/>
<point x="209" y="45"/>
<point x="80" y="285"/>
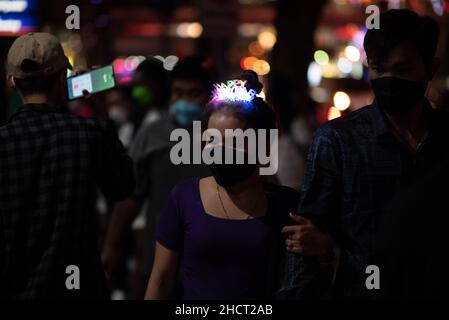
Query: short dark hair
<point x="35" y="85"/>
<point x="152" y="68"/>
<point x="196" y="69"/>
<point x="397" y="26"/>
<point x="153" y="71"/>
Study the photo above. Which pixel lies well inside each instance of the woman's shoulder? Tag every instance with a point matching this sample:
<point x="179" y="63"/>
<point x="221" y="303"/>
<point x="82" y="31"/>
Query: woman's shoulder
<point x="184" y="189"/>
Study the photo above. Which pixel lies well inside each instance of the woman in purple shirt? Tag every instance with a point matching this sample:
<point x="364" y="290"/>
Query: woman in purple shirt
<point x="226" y="228"/>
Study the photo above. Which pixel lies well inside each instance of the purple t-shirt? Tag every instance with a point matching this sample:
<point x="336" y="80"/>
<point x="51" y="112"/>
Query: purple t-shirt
<point x="221" y="258"/>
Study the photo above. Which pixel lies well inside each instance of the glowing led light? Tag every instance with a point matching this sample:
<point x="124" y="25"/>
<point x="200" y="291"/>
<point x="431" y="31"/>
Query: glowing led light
<point x="344" y="65"/>
<point x="233" y="91"/>
<point x="394" y="4"/>
<point x="170" y="62"/>
<point x="248" y="63"/>
<point x="358" y="38"/>
<point x="352" y="53"/>
<point x="125" y="80"/>
<point x="357" y="71"/>
<point x="131" y="63"/>
<point x="181" y="30"/>
<point x="256" y="49"/>
<point x="333" y="113"/>
<point x="249" y="29"/>
<point x="261" y="67"/>
<point x="329" y="70"/>
<point x="10" y="25"/>
<point x="341" y="100"/>
<point x="262" y="95"/>
<point x="314" y="74"/>
<point x="71" y="59"/>
<point x="189" y="30"/>
<point x="321" y="57"/>
<point x="267" y="39"/>
<point x="119" y="65"/>
<point x="438" y="7"/>
<point x="13" y="6"/>
<point x="194" y="30"/>
<point x="161" y="58"/>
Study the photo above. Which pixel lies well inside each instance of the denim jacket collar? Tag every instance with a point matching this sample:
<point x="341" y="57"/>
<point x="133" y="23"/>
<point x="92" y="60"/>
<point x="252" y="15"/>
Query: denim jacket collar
<point x="379" y="122"/>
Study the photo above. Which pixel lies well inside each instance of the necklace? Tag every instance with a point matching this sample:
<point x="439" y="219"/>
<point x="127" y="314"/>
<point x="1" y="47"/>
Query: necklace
<point x="224" y="209"/>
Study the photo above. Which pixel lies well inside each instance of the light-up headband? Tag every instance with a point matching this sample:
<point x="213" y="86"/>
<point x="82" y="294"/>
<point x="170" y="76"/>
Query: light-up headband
<point x="233" y="91"/>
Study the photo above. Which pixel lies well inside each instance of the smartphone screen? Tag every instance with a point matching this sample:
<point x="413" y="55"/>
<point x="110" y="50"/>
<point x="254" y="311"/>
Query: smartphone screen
<point x="93" y="81"/>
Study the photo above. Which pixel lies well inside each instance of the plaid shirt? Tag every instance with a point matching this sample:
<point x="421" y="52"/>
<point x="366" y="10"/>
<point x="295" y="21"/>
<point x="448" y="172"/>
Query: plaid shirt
<point x="50" y="165"/>
<point x="356" y="165"/>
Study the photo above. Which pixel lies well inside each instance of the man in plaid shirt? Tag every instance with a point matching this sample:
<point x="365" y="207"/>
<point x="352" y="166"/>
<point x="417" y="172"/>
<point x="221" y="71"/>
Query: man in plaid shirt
<point x="51" y="163"/>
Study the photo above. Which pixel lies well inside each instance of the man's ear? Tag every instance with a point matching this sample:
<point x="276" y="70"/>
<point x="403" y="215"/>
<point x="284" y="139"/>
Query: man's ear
<point x="63" y="78"/>
<point x="433" y="67"/>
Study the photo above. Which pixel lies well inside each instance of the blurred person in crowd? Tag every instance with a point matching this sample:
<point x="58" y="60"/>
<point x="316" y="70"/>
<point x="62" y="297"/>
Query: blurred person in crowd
<point x="52" y="163"/>
<point x="225" y="228"/>
<point x="130" y="107"/>
<point x="119" y="104"/>
<point x="191" y="83"/>
<point x="150" y="90"/>
<point x="410" y="249"/>
<point x="293" y="147"/>
<point x="357" y="163"/>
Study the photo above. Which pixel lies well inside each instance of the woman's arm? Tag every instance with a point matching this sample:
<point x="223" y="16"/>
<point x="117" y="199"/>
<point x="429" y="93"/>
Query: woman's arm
<point x="164" y="274"/>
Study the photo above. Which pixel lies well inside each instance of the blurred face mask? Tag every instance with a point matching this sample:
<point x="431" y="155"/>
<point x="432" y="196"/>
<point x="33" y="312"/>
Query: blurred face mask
<point x="118" y="114"/>
<point x="142" y="95"/>
<point x="229" y="174"/>
<point x="396" y="96"/>
<point x="186" y="112"/>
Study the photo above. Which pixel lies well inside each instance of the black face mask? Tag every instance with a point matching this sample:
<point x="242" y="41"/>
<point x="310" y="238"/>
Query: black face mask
<point x="228" y="175"/>
<point x="396" y="96"/>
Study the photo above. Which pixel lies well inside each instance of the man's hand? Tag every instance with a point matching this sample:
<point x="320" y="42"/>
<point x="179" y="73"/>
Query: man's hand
<point x="111" y="258"/>
<point x="96" y="103"/>
<point x="305" y="238"/>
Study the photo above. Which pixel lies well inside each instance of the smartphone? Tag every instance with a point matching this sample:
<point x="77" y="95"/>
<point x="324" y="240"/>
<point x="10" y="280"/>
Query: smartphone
<point x="94" y="81"/>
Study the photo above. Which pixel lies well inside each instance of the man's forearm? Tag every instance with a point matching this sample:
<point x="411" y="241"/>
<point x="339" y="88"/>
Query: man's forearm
<point x="123" y="215"/>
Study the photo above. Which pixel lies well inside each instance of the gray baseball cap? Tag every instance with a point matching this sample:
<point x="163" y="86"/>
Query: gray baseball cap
<point x="36" y="54"/>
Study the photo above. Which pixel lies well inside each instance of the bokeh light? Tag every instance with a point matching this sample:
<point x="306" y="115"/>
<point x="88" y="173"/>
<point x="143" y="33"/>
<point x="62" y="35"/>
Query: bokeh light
<point x="352" y="53"/>
<point x="256" y="49"/>
<point x="321" y="57"/>
<point x="314" y="74"/>
<point x="267" y="39"/>
<point x="333" y="113"/>
<point x="261" y="67"/>
<point x="189" y="30"/>
<point x="170" y="62"/>
<point x="247" y="63"/>
<point x="344" y="65"/>
<point x="194" y="30"/>
<point x="341" y="100"/>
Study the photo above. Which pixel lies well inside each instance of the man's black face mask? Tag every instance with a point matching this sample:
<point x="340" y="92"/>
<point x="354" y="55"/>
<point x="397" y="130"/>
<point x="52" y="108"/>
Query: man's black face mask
<point x="396" y="96"/>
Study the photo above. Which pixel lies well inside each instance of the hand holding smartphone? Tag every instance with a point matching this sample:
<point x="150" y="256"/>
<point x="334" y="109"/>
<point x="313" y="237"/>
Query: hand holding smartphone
<point x="94" y="81"/>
